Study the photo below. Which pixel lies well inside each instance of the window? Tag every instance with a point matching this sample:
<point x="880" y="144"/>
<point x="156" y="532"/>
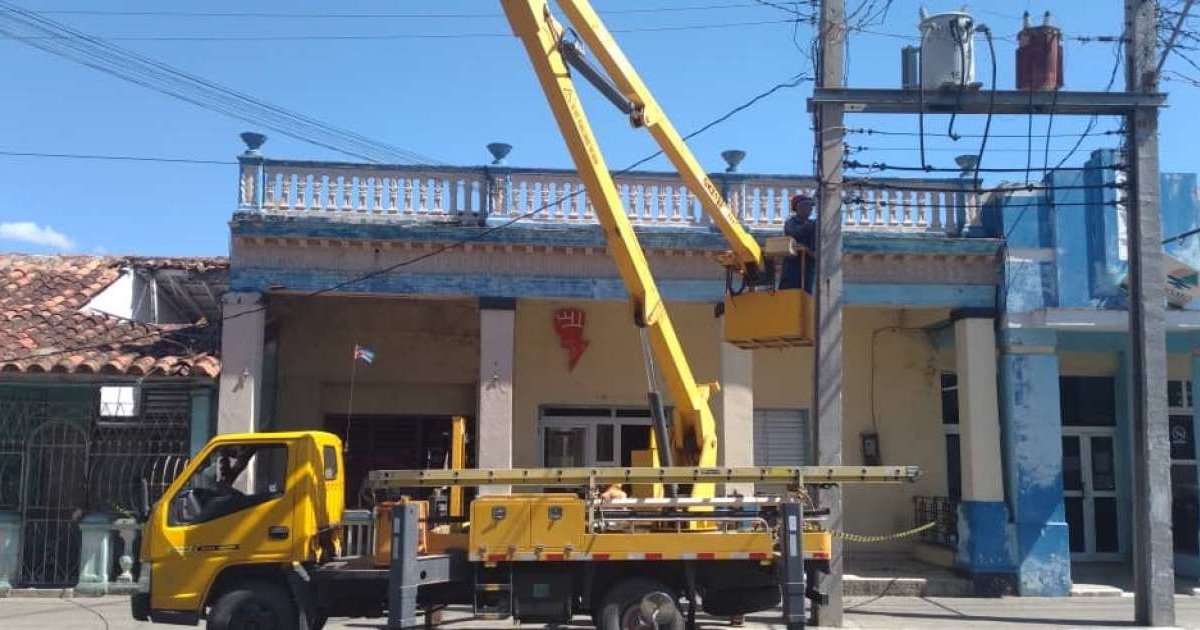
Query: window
<point x="118" y="401"/>
<point x="1179" y="394"/>
<point x="590" y="436"/>
<point x="331" y="467"/>
<point x="949" y="398"/>
<point x="1088" y="401"/>
<point x="781" y="437"/>
<point x="949" y="387"/>
<point x="231" y="479"/>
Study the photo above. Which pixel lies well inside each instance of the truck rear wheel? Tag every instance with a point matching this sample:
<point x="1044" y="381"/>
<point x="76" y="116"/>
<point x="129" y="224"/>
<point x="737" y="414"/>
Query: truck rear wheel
<point x="621" y="609"/>
<point x="254" y="605"/>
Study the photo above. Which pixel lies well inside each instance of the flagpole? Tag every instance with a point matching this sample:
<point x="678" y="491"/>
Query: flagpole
<point x="350" y="405"/>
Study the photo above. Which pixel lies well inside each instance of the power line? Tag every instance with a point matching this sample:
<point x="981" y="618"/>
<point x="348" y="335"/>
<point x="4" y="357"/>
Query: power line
<point x="382" y="37"/>
<point x="790" y="83"/>
<point x="130" y="66"/>
<point x="884" y="166"/>
<point x="122" y="158"/>
<point x="366" y="15"/>
<point x="884" y="132"/>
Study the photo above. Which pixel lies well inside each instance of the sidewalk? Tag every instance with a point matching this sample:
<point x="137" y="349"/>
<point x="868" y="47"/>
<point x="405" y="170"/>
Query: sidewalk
<point x="112" y="613"/>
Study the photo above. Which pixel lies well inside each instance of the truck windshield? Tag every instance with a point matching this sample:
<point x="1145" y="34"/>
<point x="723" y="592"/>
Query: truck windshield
<point x="231" y="479"/>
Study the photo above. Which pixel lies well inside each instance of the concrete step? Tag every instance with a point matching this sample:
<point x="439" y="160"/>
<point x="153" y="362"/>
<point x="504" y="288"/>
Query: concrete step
<point x="860" y="586"/>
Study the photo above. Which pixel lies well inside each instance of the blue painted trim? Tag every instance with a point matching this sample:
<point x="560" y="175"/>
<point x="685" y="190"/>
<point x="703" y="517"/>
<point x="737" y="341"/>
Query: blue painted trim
<point x="1082" y="341"/>
<point x="609" y="288"/>
<point x="1028" y="337"/>
<point x="495" y="286"/>
<point x="921" y="295"/>
<point x="983" y="539"/>
<point x="1124" y="452"/>
<point x="1031" y="427"/>
<point x="704" y="238"/>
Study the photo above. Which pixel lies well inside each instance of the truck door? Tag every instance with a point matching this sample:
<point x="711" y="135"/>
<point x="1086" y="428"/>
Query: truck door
<point x="234" y="508"/>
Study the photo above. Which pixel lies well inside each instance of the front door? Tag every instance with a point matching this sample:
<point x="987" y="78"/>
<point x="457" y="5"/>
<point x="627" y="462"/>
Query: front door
<point x="1090" y="493"/>
<point x="232" y="507"/>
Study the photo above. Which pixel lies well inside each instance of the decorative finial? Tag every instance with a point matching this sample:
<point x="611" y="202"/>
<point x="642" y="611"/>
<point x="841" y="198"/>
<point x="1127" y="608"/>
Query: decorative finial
<point x="499" y="151"/>
<point x="1025" y="20"/>
<point x="967" y="162"/>
<point x="254" y="141"/>
<point x="732" y="158"/>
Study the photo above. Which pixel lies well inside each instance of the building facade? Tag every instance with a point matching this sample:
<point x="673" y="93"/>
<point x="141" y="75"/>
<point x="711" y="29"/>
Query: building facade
<point x="487" y="292"/>
<point x="107" y="386"/>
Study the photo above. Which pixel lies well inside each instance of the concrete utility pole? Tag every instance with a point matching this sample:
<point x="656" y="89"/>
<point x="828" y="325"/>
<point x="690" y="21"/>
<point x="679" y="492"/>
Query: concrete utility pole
<point x="827" y="377"/>
<point x="1153" y="554"/>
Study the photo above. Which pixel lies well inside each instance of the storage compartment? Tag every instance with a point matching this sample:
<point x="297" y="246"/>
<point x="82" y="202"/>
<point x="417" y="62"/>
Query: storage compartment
<point x="543" y="597"/>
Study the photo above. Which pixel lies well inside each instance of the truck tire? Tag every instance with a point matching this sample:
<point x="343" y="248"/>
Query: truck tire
<point x="620" y="608"/>
<point x="254" y="605"/>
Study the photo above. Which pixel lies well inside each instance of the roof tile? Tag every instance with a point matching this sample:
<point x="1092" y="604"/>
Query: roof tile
<point x="42" y="328"/>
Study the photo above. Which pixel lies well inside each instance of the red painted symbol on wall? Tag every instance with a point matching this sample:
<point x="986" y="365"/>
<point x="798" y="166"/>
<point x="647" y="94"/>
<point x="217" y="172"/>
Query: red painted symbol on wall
<point x="568" y="323"/>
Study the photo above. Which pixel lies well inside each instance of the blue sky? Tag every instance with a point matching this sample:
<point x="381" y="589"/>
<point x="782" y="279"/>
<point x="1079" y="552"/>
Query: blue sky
<point x="447" y="98"/>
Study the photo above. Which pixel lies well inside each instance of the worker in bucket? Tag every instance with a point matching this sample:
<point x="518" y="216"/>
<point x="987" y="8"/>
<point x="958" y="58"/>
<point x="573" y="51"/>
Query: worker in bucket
<point x="802" y="227"/>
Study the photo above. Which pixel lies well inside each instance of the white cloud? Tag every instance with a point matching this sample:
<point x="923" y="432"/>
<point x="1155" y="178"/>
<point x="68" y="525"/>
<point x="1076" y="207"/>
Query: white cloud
<point x="34" y="234"/>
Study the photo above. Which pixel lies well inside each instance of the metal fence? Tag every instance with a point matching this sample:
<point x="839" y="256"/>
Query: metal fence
<point x="60" y="459"/>
<point x="943" y="512"/>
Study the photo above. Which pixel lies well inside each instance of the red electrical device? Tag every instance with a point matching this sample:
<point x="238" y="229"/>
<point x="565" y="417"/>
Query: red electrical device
<point x="1039" y="56"/>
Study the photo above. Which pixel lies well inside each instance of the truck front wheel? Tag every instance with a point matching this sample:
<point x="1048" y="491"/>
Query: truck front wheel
<point x="622" y="608"/>
<point x="254" y="605"/>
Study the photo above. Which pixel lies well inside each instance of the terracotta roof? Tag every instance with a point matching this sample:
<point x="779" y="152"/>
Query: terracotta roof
<point x="45" y="328"/>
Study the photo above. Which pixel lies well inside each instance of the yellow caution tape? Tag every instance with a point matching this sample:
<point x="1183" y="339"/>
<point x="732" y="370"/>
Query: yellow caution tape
<point x="883" y="537"/>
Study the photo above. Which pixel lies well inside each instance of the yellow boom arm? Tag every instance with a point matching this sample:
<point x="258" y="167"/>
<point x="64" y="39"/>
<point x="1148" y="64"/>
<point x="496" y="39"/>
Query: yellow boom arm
<point x="693" y="433"/>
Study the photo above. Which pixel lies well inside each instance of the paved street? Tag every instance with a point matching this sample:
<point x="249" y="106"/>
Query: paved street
<point x="112" y="613"/>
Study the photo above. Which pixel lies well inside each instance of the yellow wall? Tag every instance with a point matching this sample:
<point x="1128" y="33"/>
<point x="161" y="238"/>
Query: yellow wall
<point x="426" y="357"/>
<point x="427" y="362"/>
<point x="906" y="399"/>
<point x="611" y="373"/>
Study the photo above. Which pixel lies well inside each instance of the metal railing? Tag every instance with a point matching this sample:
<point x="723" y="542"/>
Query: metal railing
<point x="943" y="512"/>
<point x="358" y="533"/>
<point x="381" y="193"/>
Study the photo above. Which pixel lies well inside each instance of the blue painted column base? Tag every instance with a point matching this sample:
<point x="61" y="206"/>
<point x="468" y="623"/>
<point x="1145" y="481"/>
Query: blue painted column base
<point x="1043" y="559"/>
<point x="985" y="550"/>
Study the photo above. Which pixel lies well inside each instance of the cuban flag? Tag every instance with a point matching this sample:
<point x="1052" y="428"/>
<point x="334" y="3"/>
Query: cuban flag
<point x="366" y="354"/>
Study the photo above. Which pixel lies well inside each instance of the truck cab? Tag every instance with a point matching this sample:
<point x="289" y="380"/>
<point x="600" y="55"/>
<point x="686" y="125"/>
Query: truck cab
<point x="249" y="514"/>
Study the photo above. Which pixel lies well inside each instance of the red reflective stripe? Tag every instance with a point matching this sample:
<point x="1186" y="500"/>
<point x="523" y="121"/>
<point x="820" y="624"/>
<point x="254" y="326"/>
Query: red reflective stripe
<point x="820" y="555"/>
<point x="600" y="556"/>
<point x="650" y="555"/>
<point x="706" y="556"/>
<point x="554" y="556"/>
<point x="758" y="555"/>
<point x="496" y="557"/>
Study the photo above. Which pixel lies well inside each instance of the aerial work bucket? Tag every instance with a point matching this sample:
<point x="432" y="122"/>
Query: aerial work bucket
<point x="947" y="50"/>
<point x="777" y="317"/>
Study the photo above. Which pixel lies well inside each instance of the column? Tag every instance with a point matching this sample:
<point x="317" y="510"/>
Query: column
<point x="201" y="423"/>
<point x="497" y="334"/>
<point x="733" y="407"/>
<point x="1033" y="440"/>
<point x="241" y="362"/>
<point x="95" y="554"/>
<point x="983" y="548"/>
